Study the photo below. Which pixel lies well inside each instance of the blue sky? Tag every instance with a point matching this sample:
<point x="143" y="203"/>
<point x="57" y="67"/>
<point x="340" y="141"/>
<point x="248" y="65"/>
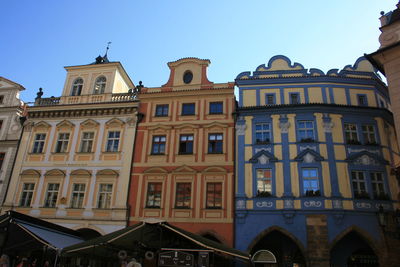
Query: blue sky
<point x="40" y="37"/>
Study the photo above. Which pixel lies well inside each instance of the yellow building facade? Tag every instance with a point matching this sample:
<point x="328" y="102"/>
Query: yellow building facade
<point x="73" y="164"/>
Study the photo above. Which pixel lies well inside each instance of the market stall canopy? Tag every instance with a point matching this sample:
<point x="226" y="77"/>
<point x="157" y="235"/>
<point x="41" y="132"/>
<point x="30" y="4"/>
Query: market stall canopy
<point x="19" y="232"/>
<point x="149" y="236"/>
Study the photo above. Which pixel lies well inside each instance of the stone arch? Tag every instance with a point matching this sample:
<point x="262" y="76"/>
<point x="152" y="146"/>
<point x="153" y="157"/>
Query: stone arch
<point x="81" y="172"/>
<point x="271" y="229"/>
<point x="362" y="233"/>
<point x="55" y="172"/>
<point x="107" y="172"/>
<point x="30" y="172"/>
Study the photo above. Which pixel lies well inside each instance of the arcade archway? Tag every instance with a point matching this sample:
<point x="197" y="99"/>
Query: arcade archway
<point x="352" y="250"/>
<point x="282" y="247"/>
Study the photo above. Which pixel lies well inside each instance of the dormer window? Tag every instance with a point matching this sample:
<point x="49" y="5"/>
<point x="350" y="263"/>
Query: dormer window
<point x="100" y="85"/>
<point x="77" y="87"/>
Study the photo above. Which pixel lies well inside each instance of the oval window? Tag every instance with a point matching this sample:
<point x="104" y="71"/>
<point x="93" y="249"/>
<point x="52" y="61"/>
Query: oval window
<point x="187" y="77"/>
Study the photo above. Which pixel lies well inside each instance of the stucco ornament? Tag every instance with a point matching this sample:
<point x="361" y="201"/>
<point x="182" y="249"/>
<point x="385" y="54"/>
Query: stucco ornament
<point x="263" y="159"/>
<point x="365" y="160"/>
<point x="131" y="121"/>
<point x="289" y="204"/>
<point x="328" y="125"/>
<point x="240" y="204"/>
<point x="387" y="38"/>
<point x="308" y="158"/>
<point x="284" y="126"/>
<point x="337" y="204"/>
<point x="28" y="125"/>
<point x="240" y="128"/>
<point x="312" y="203"/>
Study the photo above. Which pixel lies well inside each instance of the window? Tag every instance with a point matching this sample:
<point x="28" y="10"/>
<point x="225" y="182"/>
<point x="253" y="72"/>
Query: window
<point x="186" y="144"/>
<point x="100" y="85"/>
<point x="216" y="107"/>
<point x="359" y="184"/>
<point x="154" y="195"/>
<point x="188" y="109"/>
<point x="362" y="100"/>
<point x="183" y="194"/>
<point x="51" y="195"/>
<point x="27" y="194"/>
<point x="87" y="142"/>
<point x="1" y="99"/>
<point x="263" y="133"/>
<point x="187" y="77"/>
<point x="38" y="144"/>
<point x="215" y="142"/>
<point x="294" y="98"/>
<point x="368" y="132"/>
<point x="264" y="182"/>
<point x="1" y="124"/>
<point x="378" y="187"/>
<point x="161" y="110"/>
<point x="2" y="156"/>
<point x="77" y="87"/>
<point x="158" y="145"/>
<point x="306" y="130"/>
<point x="269" y="99"/>
<point x="62" y="143"/>
<point x="214" y="196"/>
<point x="350" y="130"/>
<point x="104" y="199"/>
<point x="78" y="194"/>
<point x="310" y="182"/>
<point x="113" y="141"/>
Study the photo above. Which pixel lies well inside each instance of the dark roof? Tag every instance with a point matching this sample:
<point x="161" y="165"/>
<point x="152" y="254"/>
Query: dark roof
<point x="395" y="16"/>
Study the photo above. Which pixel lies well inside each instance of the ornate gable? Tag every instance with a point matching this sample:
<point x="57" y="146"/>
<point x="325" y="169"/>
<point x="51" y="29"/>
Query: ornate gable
<point x="89" y="123"/>
<point x="366" y="158"/>
<point x="66" y="124"/>
<point x="263" y="157"/>
<point x="308" y="156"/>
<point x="114" y="122"/>
<point x="42" y="124"/>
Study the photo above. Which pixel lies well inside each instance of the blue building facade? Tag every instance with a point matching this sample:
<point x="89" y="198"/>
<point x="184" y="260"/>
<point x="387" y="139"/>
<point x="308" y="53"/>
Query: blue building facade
<point x="315" y="154"/>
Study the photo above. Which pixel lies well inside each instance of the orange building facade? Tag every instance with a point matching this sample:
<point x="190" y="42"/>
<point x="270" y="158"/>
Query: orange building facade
<point x="183" y="166"/>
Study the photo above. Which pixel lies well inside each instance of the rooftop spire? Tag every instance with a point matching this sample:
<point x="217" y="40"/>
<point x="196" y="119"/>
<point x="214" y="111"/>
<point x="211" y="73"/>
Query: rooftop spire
<point x="108" y="47"/>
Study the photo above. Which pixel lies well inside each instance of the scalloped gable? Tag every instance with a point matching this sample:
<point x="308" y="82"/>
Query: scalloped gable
<point x="263" y="157"/>
<point x="280" y="62"/>
<point x="366" y="158"/>
<point x="308" y="156"/>
<point x="361" y="64"/>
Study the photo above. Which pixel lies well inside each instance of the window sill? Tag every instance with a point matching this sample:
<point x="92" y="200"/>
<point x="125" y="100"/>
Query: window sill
<point x="185" y="154"/>
<point x="215" y="153"/>
<point x="59" y="153"/>
<point x="160" y="116"/>
<point x="220" y="113"/>
<point x="182" y="208"/>
<point x="158" y="154"/>
<point x="152" y="208"/>
<point x="213" y="208"/>
<point x="187" y="115"/>
<point x="36" y="153"/>
<point x="111" y="152"/>
<point x="84" y="153"/>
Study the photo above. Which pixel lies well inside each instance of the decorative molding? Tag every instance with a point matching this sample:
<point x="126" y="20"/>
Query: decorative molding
<point x="240" y="128"/>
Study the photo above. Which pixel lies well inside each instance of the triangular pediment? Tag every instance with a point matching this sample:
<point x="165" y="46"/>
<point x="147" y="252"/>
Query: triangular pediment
<point x="308" y="156"/>
<point x="42" y="124"/>
<point x="366" y="158"/>
<point x="156" y="170"/>
<point x="185" y="169"/>
<point x="89" y="123"/>
<point x="263" y="157"/>
<point x="115" y="122"/>
<point x="6" y="83"/>
<point x="65" y="123"/>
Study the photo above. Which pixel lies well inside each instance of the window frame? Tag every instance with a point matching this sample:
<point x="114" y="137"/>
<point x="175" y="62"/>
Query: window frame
<point x="2" y="158"/>
<point x="185" y="143"/>
<point x="305" y="130"/>
<point x="215" y="146"/>
<point x="156" y="191"/>
<point x="26" y="193"/>
<point x="62" y="143"/>
<point x="77" y="196"/>
<point x="264" y="193"/>
<point x="183" y="201"/>
<point x="157" y="145"/>
<point x="219" y="105"/>
<point x="368" y="135"/>
<point x="190" y="112"/>
<point x="217" y="196"/>
<point x="273" y="99"/>
<point x="113" y="142"/>
<point x="39" y="143"/>
<point x="76" y="89"/>
<point x="86" y="140"/>
<point x="310" y="191"/>
<point x="51" y="196"/>
<point x="362" y="100"/>
<point x="104" y="198"/>
<point x="100" y="86"/>
<point x="162" y="108"/>
<point x="356" y="191"/>
<point x="297" y="98"/>
<point x="351" y="132"/>
<point x="263" y="132"/>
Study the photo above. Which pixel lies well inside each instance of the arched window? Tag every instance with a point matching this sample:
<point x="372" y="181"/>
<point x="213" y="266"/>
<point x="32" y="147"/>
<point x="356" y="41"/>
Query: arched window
<point x="77" y="87"/>
<point x="100" y="85"/>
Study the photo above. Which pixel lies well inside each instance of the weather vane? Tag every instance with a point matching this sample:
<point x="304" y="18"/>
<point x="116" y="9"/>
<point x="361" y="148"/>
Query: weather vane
<point x="108" y="47"/>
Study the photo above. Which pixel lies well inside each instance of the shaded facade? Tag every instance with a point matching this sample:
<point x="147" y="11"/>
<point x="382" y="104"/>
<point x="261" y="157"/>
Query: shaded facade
<point x="183" y="166"/>
<point x="315" y="155"/>
<point x="74" y="159"/>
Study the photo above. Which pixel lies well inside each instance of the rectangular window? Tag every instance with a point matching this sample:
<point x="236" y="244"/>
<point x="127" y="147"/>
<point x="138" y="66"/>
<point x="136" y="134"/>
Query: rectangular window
<point x="51" y="195"/>
<point x="113" y="141"/>
<point x="294" y="98"/>
<point x="154" y="195"/>
<point x="269" y="99"/>
<point x="1" y="99"/>
<point x="362" y="100"/>
<point x="2" y="156"/>
<point x="62" y="143"/>
<point x="87" y="142"/>
<point x="188" y="109"/>
<point x="216" y="108"/>
<point x="359" y="184"/>
<point x="378" y="187"/>
<point x="368" y="132"/>
<point x="310" y="182"/>
<point x="263" y="133"/>
<point x="214" y="196"/>
<point x="158" y="145"/>
<point x="161" y="110"/>
<point x="1" y="124"/>
<point x="104" y="199"/>
<point x="183" y="194"/>
<point x="215" y="143"/>
<point x="26" y="195"/>
<point x="78" y="195"/>
<point x="264" y="182"/>
<point x="306" y="130"/>
<point x="186" y="144"/>
<point x="38" y="144"/>
<point x="350" y="130"/>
